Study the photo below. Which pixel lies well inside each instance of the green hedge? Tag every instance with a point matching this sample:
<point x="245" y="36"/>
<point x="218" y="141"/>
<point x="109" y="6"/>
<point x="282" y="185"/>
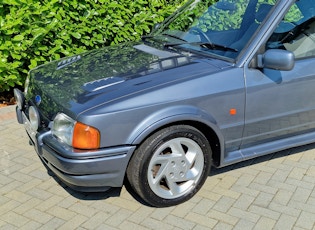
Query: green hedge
<point x="33" y="32"/>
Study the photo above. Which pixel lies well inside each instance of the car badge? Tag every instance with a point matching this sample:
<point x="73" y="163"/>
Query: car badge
<point x="38" y="99"/>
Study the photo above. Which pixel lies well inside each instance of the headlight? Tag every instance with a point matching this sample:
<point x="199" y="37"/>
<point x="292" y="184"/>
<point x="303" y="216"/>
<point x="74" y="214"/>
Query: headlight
<point x="34" y="117"/>
<point x="19" y="98"/>
<point x="75" y="134"/>
<point x="63" y="128"/>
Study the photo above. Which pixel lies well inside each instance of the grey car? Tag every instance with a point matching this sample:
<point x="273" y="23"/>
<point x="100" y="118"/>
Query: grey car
<point x="213" y="85"/>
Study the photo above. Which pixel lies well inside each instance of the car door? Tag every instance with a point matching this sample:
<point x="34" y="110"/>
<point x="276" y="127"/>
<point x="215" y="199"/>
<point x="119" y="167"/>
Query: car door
<point x="281" y="104"/>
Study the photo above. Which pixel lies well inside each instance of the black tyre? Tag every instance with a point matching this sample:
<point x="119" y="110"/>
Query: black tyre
<point x="170" y="166"/>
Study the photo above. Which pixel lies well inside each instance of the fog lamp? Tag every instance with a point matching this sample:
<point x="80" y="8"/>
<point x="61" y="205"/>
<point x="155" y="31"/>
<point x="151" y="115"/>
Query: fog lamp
<point x="34" y="117"/>
<point x="19" y="98"/>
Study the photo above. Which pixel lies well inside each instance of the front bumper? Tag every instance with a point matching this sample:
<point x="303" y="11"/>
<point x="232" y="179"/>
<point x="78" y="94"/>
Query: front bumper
<point x="91" y="171"/>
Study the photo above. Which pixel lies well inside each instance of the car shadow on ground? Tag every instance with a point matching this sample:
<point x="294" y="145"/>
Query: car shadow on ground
<point x="115" y="192"/>
<point x="257" y="160"/>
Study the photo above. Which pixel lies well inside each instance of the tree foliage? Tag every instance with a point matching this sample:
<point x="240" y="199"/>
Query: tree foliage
<point x="33" y="32"/>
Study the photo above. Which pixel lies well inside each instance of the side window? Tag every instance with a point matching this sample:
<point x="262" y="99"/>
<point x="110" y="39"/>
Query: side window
<point x="296" y="32"/>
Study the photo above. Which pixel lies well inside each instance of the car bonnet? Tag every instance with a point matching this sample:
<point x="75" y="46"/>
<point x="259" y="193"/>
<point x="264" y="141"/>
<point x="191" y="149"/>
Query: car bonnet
<point x="80" y="82"/>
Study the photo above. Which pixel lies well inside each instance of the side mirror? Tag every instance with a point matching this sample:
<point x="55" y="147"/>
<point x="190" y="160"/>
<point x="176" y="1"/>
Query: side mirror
<point x="276" y="59"/>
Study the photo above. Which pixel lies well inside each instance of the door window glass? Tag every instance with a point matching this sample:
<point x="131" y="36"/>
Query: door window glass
<point x="296" y="32"/>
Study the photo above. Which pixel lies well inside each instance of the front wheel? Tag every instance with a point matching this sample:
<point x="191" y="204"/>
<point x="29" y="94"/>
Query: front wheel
<point x="170" y="166"/>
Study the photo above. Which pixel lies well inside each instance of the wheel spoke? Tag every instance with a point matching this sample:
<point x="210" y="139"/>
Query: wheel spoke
<point x="158" y="173"/>
<point x="160" y="159"/>
<point x="174" y="189"/>
<point x="191" y="155"/>
<point x="177" y="148"/>
<point x="192" y="174"/>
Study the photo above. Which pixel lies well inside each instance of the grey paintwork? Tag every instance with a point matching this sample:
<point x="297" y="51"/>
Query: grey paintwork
<point x="130" y="94"/>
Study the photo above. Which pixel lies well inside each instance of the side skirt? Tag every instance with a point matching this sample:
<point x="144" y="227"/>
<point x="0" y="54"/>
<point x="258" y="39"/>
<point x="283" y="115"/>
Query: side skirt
<point x="267" y="148"/>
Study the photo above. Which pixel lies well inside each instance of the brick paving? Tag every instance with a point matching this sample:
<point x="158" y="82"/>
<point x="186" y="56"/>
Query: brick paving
<point x="272" y="192"/>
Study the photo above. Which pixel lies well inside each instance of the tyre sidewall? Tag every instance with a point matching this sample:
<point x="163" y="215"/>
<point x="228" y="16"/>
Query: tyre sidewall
<point x="153" y="144"/>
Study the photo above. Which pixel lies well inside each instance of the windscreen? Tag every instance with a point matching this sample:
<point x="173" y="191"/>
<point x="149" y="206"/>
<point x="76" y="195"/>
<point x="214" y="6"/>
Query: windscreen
<point x="222" y="29"/>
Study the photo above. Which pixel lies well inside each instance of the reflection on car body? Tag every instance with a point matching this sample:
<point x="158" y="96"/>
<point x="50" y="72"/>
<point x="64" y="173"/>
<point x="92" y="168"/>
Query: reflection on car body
<point x="234" y="83"/>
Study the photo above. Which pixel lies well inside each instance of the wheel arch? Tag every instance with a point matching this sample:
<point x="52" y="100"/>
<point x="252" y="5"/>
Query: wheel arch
<point x="181" y="115"/>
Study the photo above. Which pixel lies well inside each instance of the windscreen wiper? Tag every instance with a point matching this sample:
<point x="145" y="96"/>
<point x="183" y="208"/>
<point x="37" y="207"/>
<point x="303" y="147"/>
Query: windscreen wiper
<point x="144" y="37"/>
<point x="174" y="36"/>
<point x="207" y="45"/>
